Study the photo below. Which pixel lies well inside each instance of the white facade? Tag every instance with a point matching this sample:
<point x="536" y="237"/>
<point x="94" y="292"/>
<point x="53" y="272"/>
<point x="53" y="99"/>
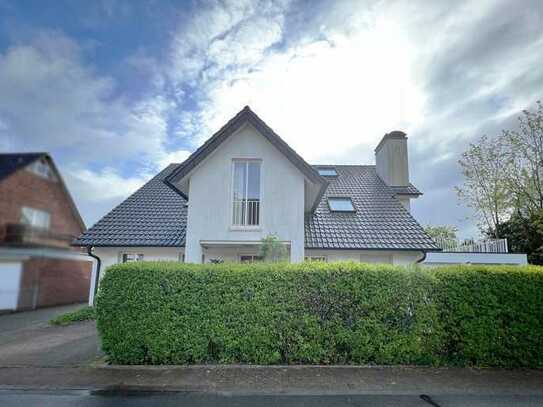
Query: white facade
<point x="367" y="256"/>
<point x="446" y="258"/>
<point x="210" y="209"/>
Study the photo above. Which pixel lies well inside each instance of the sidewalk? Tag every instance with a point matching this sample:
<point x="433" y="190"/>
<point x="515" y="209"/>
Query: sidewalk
<point x="287" y="380"/>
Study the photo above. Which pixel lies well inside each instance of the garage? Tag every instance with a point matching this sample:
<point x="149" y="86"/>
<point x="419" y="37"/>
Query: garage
<point x="10" y="278"/>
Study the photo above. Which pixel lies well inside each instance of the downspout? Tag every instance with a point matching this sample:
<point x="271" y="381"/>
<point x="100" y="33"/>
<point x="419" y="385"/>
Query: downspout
<point x="97" y="277"/>
<point x="422" y="258"/>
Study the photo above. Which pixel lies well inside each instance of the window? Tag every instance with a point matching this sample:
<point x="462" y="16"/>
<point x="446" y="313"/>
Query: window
<point x="315" y="258"/>
<point x="35" y="218"/>
<point x="327" y="172"/>
<point x="246" y="193"/>
<point x="341" y="204"/>
<point x="131" y="257"/>
<point x="42" y="168"/>
<point x="250" y="259"/>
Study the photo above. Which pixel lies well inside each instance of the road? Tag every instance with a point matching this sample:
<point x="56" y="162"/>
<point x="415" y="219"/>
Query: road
<point x="27" y="339"/>
<point x="188" y="399"/>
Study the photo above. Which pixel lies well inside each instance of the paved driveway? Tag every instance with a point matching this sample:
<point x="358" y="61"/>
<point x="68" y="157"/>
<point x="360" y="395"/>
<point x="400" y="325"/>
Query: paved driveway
<point x="27" y="339"/>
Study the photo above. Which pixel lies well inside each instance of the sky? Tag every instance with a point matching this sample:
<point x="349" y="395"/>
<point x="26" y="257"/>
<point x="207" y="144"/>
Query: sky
<point x="116" y="90"/>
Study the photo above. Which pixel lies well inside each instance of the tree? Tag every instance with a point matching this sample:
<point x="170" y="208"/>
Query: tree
<point x="524" y="153"/>
<point x="485" y="188"/>
<point x="441" y="232"/>
<point x="524" y="234"/>
<point x="273" y="250"/>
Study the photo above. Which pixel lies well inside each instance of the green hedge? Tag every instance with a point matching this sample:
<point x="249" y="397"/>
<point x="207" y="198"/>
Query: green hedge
<point x="321" y="313"/>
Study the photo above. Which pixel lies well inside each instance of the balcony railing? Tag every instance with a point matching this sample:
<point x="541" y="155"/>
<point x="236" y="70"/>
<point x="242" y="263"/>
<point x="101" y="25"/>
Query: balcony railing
<point x="472" y="246"/>
<point x="246" y="212"/>
<point x="17" y="234"/>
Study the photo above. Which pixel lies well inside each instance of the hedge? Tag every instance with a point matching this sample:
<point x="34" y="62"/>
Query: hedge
<point x="321" y="313"/>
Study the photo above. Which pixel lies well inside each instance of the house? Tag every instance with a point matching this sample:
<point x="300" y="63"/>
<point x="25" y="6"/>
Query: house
<point x="38" y="221"/>
<point x="246" y="183"/>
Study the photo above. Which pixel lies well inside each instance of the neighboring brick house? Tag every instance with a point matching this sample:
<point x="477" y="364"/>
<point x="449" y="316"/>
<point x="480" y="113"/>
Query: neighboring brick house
<point x="38" y="220"/>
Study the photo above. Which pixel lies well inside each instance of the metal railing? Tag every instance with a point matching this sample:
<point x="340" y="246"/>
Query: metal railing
<point x="246" y="212"/>
<point x="472" y="246"/>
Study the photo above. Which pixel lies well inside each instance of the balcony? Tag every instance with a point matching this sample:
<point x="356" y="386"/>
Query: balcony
<point x="20" y="235"/>
<point x="472" y="246"/>
<point x="246" y="212"/>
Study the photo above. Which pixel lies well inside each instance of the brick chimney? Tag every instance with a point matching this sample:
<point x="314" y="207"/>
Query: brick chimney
<point x="391" y="159"/>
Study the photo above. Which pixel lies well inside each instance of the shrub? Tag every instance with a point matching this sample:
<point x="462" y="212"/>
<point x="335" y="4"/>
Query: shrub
<point x="321" y="313"/>
<point x="82" y="314"/>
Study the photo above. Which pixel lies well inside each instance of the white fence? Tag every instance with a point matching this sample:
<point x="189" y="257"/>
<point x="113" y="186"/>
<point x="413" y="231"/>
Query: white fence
<point x="471" y="246"/>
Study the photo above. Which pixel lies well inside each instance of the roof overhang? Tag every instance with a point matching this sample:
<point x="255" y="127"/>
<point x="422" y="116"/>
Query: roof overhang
<point x="315" y="185"/>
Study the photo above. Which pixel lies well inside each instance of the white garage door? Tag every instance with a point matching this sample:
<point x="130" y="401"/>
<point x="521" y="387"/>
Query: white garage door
<point x="10" y="279"/>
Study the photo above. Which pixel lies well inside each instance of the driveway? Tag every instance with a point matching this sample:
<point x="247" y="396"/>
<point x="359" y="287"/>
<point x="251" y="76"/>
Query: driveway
<point x="27" y="339"/>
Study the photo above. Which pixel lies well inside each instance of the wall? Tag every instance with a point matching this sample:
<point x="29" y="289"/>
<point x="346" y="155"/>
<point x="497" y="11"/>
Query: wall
<point x="368" y="256"/>
<point x="112" y="255"/>
<point x="46" y="282"/>
<point x="475" y="258"/>
<point x="24" y="188"/>
<point x="391" y="161"/>
<point x="210" y="196"/>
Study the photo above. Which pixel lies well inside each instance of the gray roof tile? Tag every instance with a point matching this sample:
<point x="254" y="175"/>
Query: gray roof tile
<point x="154" y="215"/>
<point x="380" y="221"/>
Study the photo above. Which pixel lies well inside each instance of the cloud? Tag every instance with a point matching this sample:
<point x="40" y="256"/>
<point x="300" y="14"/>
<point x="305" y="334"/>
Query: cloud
<point x="332" y="81"/>
<point x="53" y="101"/>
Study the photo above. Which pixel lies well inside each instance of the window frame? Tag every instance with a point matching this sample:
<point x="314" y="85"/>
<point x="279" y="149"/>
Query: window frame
<point x="323" y="259"/>
<point x="34" y="212"/>
<point x="331" y="198"/>
<point x="234" y="226"/>
<point x="253" y="257"/>
<point x="319" y="169"/>
<point x="42" y="169"/>
<point x="138" y="257"/>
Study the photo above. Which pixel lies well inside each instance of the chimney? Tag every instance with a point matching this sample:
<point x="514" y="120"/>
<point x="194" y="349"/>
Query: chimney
<point x="391" y="159"/>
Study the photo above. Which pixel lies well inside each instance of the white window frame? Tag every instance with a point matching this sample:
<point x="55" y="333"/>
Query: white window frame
<point x="33" y="213"/>
<point x="234" y="226"/>
<point x="138" y="257"/>
<point x="42" y="169"/>
<point x="252" y="256"/>
<point x="324" y="259"/>
<point x="341" y="198"/>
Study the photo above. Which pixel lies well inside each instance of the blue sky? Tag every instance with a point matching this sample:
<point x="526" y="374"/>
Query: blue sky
<point x="115" y="90"/>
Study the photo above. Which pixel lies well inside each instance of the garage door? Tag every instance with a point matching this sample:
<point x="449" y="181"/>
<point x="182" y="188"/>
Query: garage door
<point x="10" y="279"/>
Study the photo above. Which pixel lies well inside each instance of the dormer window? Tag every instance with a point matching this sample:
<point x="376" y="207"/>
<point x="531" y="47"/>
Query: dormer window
<point x="327" y="172"/>
<point x="342" y="204"/>
<point x="246" y="193"/>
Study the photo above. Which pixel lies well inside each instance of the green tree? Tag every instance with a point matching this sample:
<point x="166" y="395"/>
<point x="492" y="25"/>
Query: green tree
<point x="441" y="232"/>
<point x="485" y="188"/>
<point x="524" y="153"/>
<point x="273" y="250"/>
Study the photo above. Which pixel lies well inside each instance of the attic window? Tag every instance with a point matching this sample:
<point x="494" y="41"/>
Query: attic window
<point x="327" y="172"/>
<point x="341" y="205"/>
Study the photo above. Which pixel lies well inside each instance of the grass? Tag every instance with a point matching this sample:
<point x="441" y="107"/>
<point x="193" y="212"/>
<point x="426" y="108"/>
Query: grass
<point x="82" y="314"/>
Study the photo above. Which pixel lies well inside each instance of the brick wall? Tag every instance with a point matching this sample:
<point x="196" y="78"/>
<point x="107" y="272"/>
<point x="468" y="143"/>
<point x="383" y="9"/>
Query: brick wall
<point x="46" y="282"/>
<point x="24" y="188"/>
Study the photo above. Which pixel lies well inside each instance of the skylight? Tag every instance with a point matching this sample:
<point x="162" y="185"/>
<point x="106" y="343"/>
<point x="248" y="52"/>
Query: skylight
<point x="327" y="172"/>
<point x="341" y="204"/>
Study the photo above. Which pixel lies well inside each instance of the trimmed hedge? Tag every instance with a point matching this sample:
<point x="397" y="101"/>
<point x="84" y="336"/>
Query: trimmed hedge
<point x="321" y="313"/>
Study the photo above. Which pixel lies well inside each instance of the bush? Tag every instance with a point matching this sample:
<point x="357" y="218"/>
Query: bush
<point x="321" y="313"/>
<point x="82" y="314"/>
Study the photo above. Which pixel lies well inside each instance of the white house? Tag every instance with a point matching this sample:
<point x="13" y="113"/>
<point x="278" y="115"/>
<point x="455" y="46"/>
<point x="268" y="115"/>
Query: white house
<point x="246" y="183"/>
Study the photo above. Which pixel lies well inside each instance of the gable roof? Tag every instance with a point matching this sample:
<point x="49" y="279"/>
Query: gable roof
<point x="244" y="116"/>
<point x="154" y="215"/>
<point x="12" y="162"/>
<point x="380" y="222"/>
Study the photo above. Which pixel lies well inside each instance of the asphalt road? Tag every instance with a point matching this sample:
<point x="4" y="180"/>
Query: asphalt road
<point x="10" y="398"/>
<point x="27" y="339"/>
